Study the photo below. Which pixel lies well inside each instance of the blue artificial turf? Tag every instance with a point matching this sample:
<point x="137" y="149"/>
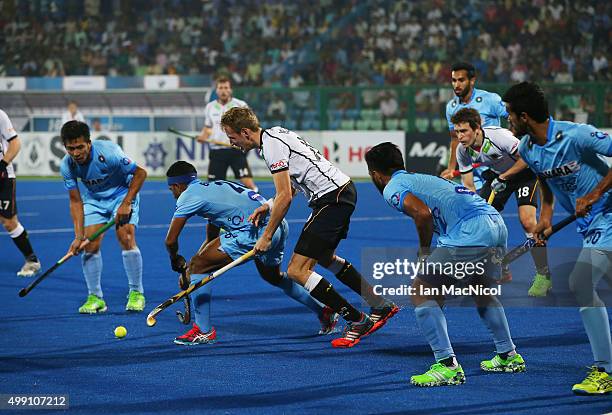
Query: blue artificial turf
<point x="267" y="358"/>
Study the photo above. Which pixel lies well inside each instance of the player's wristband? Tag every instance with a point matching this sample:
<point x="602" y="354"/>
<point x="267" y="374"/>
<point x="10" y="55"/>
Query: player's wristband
<point x="270" y="203"/>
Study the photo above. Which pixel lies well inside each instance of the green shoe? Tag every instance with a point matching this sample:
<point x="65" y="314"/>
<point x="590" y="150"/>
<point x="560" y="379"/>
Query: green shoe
<point x="514" y="363"/>
<point x="93" y="305"/>
<point x="439" y="375"/>
<point x="136" y="301"/>
<point x="540" y="286"/>
<point x="597" y="382"/>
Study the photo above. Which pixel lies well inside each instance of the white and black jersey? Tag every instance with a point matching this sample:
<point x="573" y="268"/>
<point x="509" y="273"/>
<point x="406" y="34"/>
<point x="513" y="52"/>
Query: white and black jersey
<point x="7" y="133"/>
<point x="212" y="119"/>
<point x="498" y="151"/>
<point x="310" y="172"/>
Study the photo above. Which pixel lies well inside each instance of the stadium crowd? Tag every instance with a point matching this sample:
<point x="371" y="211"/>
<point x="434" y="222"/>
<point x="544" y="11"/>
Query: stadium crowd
<point x="326" y="43"/>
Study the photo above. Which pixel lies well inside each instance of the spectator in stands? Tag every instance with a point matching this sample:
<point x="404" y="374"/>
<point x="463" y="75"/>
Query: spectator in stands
<point x="362" y="42"/>
<point x="72" y="113"/>
<point x="277" y="109"/>
<point x="388" y="106"/>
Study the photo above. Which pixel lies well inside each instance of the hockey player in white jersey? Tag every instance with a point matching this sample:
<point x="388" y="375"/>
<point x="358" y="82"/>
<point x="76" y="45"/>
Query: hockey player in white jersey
<point x="496" y="148"/>
<point x="297" y="166"/>
<point x="9" y="148"/>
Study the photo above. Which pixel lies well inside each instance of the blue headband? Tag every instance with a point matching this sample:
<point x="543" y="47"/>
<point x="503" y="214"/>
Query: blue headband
<point x="185" y="178"/>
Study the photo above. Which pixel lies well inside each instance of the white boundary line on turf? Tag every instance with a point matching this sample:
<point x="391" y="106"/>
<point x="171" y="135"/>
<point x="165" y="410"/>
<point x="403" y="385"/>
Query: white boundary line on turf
<point x="201" y="225"/>
<point x="61" y="196"/>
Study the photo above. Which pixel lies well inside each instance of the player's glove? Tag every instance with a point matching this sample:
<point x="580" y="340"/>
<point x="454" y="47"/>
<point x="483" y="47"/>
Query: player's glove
<point x="3" y="172"/>
<point x="499" y="185"/>
<point x="178" y="263"/>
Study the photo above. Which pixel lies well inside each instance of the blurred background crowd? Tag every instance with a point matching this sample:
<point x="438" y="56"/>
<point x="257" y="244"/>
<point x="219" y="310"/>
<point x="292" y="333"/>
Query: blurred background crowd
<point x="278" y="43"/>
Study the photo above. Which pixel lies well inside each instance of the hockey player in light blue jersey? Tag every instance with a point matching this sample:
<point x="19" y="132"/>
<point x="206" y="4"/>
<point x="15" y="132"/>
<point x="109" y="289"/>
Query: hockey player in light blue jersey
<point x="569" y="161"/>
<point x="469" y="232"/>
<point x="112" y="182"/>
<point x="227" y="205"/>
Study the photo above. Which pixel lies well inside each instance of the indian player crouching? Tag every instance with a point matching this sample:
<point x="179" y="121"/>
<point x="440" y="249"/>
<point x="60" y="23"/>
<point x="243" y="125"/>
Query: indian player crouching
<point x="467" y="229"/>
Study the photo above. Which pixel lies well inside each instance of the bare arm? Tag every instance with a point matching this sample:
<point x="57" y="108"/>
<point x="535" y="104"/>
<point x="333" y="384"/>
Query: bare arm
<point x="78" y="219"/>
<point x="125" y="209"/>
<point x="175" y="229"/>
<point x="282" y="201"/>
<point x="518" y="167"/>
<point x="468" y="180"/>
<point x="583" y="204"/>
<point x="420" y="213"/>
<point x="204" y="134"/>
<point x="176" y="226"/>
<point x="13" y="149"/>
<point x="452" y="160"/>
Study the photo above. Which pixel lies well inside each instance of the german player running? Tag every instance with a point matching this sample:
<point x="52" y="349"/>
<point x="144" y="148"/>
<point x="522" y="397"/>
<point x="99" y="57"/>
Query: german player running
<point x="567" y="157"/>
<point x="467" y="228"/>
<point x="227" y="205"/>
<point x="10" y="144"/>
<point x="296" y="165"/>
<point x="496" y="149"/>
<point x="221" y="158"/>
<point x="111" y="184"/>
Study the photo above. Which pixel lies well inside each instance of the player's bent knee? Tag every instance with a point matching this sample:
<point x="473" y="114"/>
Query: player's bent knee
<point x="10" y="224"/>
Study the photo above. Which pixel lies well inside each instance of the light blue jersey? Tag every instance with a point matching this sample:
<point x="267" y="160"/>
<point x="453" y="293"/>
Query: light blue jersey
<point x="450" y="204"/>
<point x="106" y="177"/>
<point x="225" y="204"/>
<point x="228" y="205"/>
<point x="572" y="164"/>
<point x="488" y="104"/>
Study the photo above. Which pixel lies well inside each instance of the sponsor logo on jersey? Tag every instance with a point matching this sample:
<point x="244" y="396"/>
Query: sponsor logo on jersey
<point x="599" y="134"/>
<point x="279" y="165"/>
<point x="395" y="199"/>
<point x="101" y="159"/>
<point x="565" y="170"/>
<point x="92" y="182"/>
<point x="463" y="190"/>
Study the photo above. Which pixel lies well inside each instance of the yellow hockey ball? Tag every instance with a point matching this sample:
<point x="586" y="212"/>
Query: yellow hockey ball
<point x="120" y="332"/>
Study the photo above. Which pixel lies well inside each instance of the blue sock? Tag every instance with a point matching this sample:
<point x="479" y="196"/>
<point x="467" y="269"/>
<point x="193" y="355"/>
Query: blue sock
<point x="92" y="270"/>
<point x="494" y="317"/>
<point x="300" y="294"/>
<point x="132" y="263"/>
<point x="201" y="301"/>
<point x="597" y="326"/>
<point x="431" y="319"/>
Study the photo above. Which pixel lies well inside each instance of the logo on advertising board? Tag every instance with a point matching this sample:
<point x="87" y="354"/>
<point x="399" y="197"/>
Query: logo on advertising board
<point x="33" y="151"/>
<point x="155" y="156"/>
<point x="333" y="154"/>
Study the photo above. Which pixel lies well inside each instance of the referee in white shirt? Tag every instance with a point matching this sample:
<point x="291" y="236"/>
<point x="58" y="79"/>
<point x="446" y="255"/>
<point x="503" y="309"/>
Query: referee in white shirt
<point x="222" y="157"/>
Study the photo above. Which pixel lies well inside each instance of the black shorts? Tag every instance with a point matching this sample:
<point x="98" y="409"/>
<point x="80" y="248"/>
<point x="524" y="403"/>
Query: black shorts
<point x="328" y="223"/>
<point x="220" y="160"/>
<point x="8" y="203"/>
<point x="523" y="185"/>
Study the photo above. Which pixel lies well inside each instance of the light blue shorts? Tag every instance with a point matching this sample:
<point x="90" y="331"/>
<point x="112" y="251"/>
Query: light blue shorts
<point x="103" y="210"/>
<point x="482" y="230"/>
<point x="237" y="243"/>
<point x="599" y="232"/>
<point x="471" y="252"/>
